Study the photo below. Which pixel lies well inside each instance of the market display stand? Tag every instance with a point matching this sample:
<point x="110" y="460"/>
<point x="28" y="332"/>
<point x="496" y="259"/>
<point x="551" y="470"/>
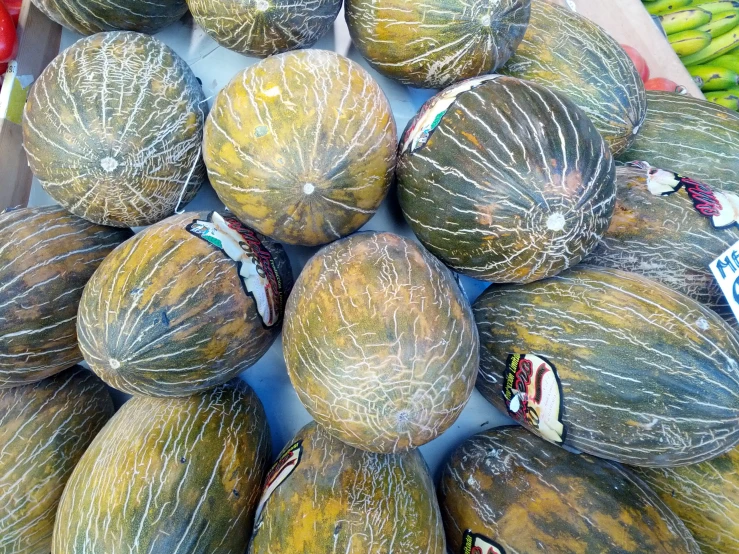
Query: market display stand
<point x="215" y="66"/>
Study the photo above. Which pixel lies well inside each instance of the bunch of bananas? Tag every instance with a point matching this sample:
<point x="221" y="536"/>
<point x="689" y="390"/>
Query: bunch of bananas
<point x="705" y="34"/>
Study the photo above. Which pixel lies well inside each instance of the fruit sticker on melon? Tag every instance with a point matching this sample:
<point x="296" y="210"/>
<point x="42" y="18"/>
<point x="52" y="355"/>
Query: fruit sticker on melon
<point x="646" y="376"/>
<point x="572" y="56"/>
<point x="47" y="255"/>
<point x="380" y="343"/>
<point x="504" y="180"/>
<point x="331" y="497"/>
<point x="113" y="129"/>
<point x="301" y="146"/>
<point x="265" y="27"/>
<point x="434" y="43"/>
<point x="507" y="491"/>
<point x="184" y="305"/>
<point x="169" y="475"/>
<point x="86" y="17"/>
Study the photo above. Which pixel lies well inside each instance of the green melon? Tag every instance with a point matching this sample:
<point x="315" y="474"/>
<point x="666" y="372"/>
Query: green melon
<point x="183" y="306"/>
<point x="46" y="257"/>
<point x="694" y="137"/>
<point x="45" y="428"/>
<point x="666" y="238"/>
<point x="112" y="129"/>
<point x="613" y="364"/>
<point x="265" y="27"/>
<point x="325" y="496"/>
<point x="706" y="497"/>
<point x="301" y="146"/>
<point x="506" y="488"/>
<point x="175" y="475"/>
<point x="571" y="55"/>
<point x="88" y="17"/>
<point x="434" y="43"/>
<point x="504" y="180"/>
<point x="380" y="343"/>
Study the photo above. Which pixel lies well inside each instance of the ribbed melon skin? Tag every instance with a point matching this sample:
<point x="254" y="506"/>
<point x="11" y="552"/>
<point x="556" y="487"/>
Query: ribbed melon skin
<point x="264" y="28"/>
<point x="113" y="127"/>
<point x="166" y="313"/>
<point x="666" y="239"/>
<point x="302" y="146"/>
<point x="527" y="495"/>
<point x="46" y="257"/>
<point x="571" y="55"/>
<point x="169" y="475"/>
<point x="706" y="497"/>
<point x="380" y="343"/>
<point x="432" y="44"/>
<point x="690" y="136"/>
<point x="88" y="17"/>
<point x="513" y="185"/>
<point x="45" y="428"/>
<point x="341" y="499"/>
<point x="649" y="377"/>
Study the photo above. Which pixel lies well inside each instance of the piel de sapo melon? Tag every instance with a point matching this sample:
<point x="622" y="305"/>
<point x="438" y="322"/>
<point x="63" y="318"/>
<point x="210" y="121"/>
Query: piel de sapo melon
<point x="613" y="364"/>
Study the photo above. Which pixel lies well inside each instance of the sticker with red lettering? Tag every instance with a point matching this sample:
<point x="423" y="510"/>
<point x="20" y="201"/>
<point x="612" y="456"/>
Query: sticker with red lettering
<point x="474" y="543"/>
<point x="720" y="207"/>
<point x="533" y="394"/>
<point x="281" y="470"/>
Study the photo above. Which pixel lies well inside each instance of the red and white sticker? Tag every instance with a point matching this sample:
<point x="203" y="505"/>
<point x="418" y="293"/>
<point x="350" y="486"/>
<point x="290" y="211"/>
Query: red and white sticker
<point x="474" y="543"/>
<point x="281" y="470"/>
<point x="533" y="395"/>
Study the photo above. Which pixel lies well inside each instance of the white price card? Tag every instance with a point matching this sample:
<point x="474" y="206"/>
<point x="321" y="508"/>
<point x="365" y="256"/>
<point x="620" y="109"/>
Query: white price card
<point x="725" y="269"/>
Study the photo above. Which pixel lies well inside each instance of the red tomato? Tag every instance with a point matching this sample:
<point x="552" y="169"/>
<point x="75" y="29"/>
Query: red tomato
<point x="8" y="37"/>
<point x="639" y="62"/>
<point x="14" y="9"/>
<point x="660" y="83"/>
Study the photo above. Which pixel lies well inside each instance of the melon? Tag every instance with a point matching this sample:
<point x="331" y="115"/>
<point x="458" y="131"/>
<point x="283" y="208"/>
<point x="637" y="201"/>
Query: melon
<point x="505" y="490"/>
<point x="301" y="146"/>
<point x="706" y="497"/>
<point x="112" y="130"/>
<point x="265" y="27"/>
<point x="571" y="55"/>
<point x="504" y="180"/>
<point x="434" y="43"/>
<point x="659" y="232"/>
<point x="325" y="496"/>
<point x="45" y="428"/>
<point x="175" y="475"/>
<point x="380" y="343"/>
<point x="87" y="17"/>
<point x="612" y="364"/>
<point x="183" y="306"/>
<point x="694" y="137"/>
<point x="46" y="257"/>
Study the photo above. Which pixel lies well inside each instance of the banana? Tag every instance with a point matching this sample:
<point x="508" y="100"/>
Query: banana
<point x="727" y="98"/>
<point x="729" y="61"/>
<point x="717" y="47"/>
<point x="721" y="23"/>
<point x="711" y="78"/>
<point x="658" y="7"/>
<point x="716" y="7"/>
<point x="684" y="20"/>
<point x="686" y="43"/>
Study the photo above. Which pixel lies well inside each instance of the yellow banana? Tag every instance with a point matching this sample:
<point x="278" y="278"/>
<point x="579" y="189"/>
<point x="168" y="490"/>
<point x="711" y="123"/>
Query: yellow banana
<point x="717" y="47"/>
<point x="658" y="7"/>
<point x="716" y="7"/>
<point x="686" y="43"/>
<point x="721" y="23"/>
<point x="727" y="98"/>
<point x="684" y="20"/>
<point x="713" y="77"/>
<point x="729" y="61"/>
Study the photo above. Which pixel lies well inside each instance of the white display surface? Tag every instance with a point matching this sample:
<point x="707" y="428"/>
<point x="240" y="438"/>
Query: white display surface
<point x="215" y="66"/>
